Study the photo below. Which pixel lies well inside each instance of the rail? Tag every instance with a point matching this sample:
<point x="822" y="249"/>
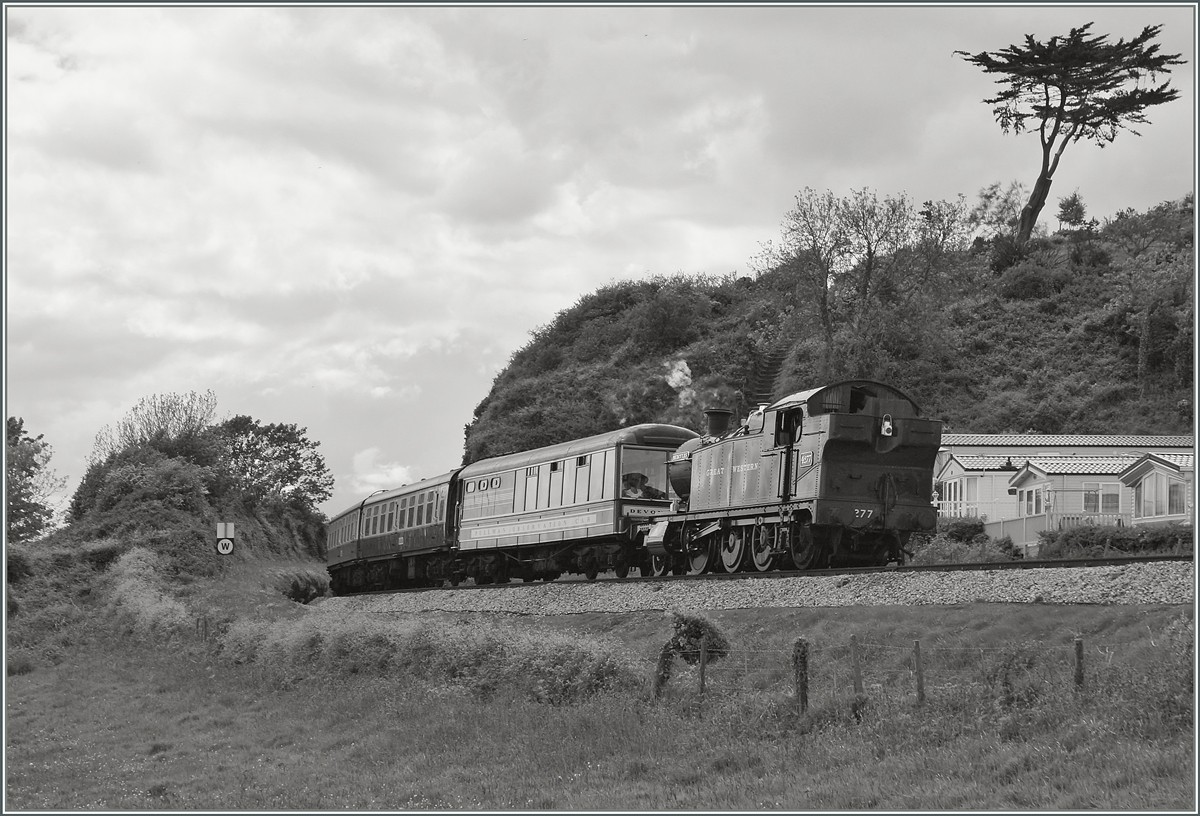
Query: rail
<point x="1022" y="564"/>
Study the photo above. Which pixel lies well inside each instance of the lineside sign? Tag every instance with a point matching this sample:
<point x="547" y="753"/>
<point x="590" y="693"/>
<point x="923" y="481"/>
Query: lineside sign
<point x="225" y="537"/>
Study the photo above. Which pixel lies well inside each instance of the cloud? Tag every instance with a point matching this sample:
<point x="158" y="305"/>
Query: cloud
<point x="370" y="474"/>
<point x="350" y="218"/>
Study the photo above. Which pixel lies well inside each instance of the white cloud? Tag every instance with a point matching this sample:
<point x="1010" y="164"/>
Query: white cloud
<point x="351" y="217"/>
<point x="370" y="474"/>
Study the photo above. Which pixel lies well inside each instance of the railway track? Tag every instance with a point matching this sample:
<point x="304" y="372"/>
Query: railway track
<point x="994" y="566"/>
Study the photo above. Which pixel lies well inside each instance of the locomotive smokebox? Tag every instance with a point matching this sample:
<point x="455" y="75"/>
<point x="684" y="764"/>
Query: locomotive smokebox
<point x="679" y="468"/>
<point x="718" y="420"/>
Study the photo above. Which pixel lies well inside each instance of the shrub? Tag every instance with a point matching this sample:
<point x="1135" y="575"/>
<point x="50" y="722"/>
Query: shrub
<point x="960" y="528"/>
<point x="102" y="553"/>
<point x="945" y="549"/>
<point x="19" y="663"/>
<point x="137" y="598"/>
<point x="304" y="586"/>
<point x="1098" y="540"/>
<point x="16" y="565"/>
<point x="1006" y="252"/>
<point x="690" y="630"/>
<point x="1029" y="280"/>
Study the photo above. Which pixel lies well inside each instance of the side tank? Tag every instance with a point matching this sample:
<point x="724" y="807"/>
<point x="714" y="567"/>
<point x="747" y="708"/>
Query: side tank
<point x="679" y="467"/>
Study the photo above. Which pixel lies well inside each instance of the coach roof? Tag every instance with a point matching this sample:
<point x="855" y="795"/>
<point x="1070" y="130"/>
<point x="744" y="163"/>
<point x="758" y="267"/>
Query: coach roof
<point x="652" y="434"/>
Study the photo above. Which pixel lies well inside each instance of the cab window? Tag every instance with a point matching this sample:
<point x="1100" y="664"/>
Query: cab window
<point x="644" y="474"/>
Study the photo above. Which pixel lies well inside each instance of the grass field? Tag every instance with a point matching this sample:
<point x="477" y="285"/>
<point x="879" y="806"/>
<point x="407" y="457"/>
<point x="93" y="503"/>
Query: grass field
<point x="129" y="718"/>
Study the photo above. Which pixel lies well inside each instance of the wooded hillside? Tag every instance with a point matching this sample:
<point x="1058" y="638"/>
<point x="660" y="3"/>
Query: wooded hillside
<point x="1088" y="330"/>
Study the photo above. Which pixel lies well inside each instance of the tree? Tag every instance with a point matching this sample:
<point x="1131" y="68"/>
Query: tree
<point x="1073" y="88"/>
<point x="1155" y="260"/>
<point x="28" y="483"/>
<point x="859" y="262"/>
<point x="157" y="419"/>
<point x="1071" y="211"/>
<point x="277" y="460"/>
<point x="998" y="211"/>
<point x="814" y="242"/>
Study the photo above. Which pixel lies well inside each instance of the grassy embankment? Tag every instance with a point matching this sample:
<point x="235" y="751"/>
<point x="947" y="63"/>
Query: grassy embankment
<point x="303" y="707"/>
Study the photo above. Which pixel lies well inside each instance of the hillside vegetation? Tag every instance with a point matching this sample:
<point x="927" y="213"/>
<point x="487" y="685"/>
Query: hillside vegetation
<point x="1088" y="330"/>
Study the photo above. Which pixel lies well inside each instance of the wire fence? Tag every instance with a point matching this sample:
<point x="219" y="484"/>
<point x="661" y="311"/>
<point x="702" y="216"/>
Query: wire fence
<point x="934" y="674"/>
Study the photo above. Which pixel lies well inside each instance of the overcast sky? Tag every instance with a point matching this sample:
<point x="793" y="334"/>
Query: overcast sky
<point x="350" y="218"/>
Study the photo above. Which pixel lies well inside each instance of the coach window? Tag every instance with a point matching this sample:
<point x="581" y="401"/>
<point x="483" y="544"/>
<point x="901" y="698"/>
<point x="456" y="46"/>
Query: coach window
<point x="391" y="516"/>
<point x="644" y="473"/>
<point x="555" y="497"/>
<point x="531" y="488"/>
<point x="420" y="509"/>
<point x="582" y="473"/>
<point x="568" y="490"/>
<point x="412" y="510"/>
<point x="607" y="483"/>
<point x="543" y="499"/>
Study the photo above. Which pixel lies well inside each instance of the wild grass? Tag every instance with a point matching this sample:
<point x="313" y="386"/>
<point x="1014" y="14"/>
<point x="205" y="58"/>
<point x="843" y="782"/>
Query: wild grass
<point x="483" y="657"/>
<point x="312" y="707"/>
<point x="138" y="600"/>
<point x="184" y="731"/>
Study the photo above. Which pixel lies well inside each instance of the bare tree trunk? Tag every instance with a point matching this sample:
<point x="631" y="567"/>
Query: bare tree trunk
<point x="1033" y="208"/>
<point x="1143" y="363"/>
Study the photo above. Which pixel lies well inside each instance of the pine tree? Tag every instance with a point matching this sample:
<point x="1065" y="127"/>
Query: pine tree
<point x="1073" y="88"/>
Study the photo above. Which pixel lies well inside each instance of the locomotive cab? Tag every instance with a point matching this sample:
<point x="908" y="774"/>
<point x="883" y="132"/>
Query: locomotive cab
<point x="837" y="474"/>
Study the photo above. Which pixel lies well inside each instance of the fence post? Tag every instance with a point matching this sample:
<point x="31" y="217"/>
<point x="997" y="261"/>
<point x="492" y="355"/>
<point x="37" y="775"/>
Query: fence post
<point x="920" y="672"/>
<point x="858" y="686"/>
<point x="800" y="672"/>
<point x="1078" y="663"/>
<point x="662" y="671"/>
<point x="703" y="660"/>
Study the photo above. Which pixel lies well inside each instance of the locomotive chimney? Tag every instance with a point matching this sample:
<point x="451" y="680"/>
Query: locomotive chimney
<point x="718" y="420"/>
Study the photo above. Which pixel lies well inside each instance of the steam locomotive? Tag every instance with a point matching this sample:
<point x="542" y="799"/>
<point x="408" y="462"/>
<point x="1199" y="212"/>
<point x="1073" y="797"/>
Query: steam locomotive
<point x="841" y="474"/>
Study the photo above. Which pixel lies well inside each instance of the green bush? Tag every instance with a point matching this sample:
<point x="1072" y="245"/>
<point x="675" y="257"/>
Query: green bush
<point x="1030" y="280"/>
<point x="690" y="631"/>
<point x="1099" y="540"/>
<point x="18" y="663"/>
<point x="1006" y="252"/>
<point x="138" y="599"/>
<point x="17" y="566"/>
<point x="102" y="553"/>
<point x="945" y="549"/>
<point x="304" y="586"/>
<point x="960" y="528"/>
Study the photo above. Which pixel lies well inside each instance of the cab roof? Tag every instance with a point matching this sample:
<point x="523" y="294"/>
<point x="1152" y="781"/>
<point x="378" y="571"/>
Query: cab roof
<point x="835" y="398"/>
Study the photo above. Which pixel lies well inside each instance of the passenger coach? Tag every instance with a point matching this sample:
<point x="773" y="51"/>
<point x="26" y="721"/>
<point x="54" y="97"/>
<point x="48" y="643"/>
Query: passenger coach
<point x="573" y="507"/>
<point x="576" y="507"/>
<point x="392" y="538"/>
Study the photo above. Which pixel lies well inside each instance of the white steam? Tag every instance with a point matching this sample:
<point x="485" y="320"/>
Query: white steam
<point x="679" y="377"/>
